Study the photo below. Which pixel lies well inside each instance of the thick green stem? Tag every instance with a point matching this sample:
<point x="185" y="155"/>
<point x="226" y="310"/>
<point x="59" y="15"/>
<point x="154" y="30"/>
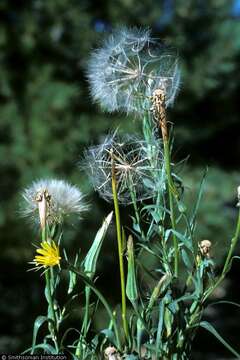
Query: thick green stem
<point x="227" y="261"/>
<point x="120" y="254"/>
<point x="171" y="205"/>
<point x="148" y="132"/>
<point x="50" y="300"/>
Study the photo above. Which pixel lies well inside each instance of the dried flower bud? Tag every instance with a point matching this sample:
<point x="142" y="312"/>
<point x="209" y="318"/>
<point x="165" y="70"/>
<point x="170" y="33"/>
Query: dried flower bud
<point x="43" y="199"/>
<point x="205" y="248"/>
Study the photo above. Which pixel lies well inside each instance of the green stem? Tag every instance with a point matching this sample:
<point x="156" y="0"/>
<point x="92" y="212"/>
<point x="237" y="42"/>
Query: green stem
<point x="50" y="300"/>
<point x="149" y="137"/>
<point x="52" y="329"/>
<point x="232" y="247"/>
<point x="120" y="254"/>
<point x="227" y="261"/>
<point x="170" y="195"/>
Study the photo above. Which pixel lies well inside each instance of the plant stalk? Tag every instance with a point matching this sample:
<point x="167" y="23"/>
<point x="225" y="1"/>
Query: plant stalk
<point x="159" y="114"/>
<point x="120" y="252"/>
<point x="171" y="204"/>
<point x="52" y="328"/>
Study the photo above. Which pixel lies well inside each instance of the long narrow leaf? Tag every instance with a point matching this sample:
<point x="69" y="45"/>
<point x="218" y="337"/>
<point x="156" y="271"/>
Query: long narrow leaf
<point x="90" y="262"/>
<point x="131" y="286"/>
<point x="225" y="302"/>
<point x="200" y="192"/>
<point x="207" y="326"/>
<point x="40" y="320"/>
<point x="160" y="328"/>
<point x="92" y="286"/>
<point x="48" y="348"/>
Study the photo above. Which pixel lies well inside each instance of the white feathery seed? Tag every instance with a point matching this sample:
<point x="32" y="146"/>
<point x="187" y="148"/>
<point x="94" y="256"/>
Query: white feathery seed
<point x="133" y="168"/>
<point x="64" y="200"/>
<point x="129" y="66"/>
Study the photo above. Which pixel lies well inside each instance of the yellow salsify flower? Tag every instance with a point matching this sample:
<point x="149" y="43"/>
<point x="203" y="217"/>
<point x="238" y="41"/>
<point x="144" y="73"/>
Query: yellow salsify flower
<point x="48" y="255"/>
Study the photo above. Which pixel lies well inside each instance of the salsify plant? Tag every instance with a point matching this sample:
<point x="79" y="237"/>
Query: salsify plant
<point x="166" y="272"/>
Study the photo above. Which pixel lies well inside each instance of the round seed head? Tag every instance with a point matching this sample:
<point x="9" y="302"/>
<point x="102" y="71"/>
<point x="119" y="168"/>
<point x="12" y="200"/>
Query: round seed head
<point x="129" y="66"/>
<point x="52" y="201"/>
<point x="128" y="158"/>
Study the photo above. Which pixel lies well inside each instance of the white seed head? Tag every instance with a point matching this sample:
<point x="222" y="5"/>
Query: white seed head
<point x="62" y="200"/>
<point x="133" y="168"/>
<point x="129" y="66"/>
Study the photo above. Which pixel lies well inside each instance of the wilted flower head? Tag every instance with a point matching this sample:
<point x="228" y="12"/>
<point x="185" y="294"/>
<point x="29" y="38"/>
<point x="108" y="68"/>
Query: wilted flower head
<point x="205" y="248"/>
<point x="133" y="167"/>
<point x="129" y="67"/>
<point x="61" y="200"/>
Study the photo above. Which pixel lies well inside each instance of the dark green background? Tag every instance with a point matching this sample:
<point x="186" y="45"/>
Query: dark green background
<point x="47" y="119"/>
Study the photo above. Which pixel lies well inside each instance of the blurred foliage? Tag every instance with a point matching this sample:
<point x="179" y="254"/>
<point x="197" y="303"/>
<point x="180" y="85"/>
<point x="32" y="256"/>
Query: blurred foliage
<point x="47" y="117"/>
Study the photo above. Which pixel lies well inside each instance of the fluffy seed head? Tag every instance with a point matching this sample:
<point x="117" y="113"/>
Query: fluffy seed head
<point x="129" y="66"/>
<point x="132" y="167"/>
<point x="61" y="201"/>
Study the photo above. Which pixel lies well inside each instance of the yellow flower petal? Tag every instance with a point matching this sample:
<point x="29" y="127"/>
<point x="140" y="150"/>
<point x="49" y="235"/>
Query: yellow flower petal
<point x="48" y="255"/>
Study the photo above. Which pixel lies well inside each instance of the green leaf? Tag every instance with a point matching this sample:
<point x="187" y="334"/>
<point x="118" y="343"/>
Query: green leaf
<point x="160" y="328"/>
<point x="132" y="357"/>
<point x="149" y="184"/>
<point x="131" y="287"/>
<point x="40" y="320"/>
<point x="69" y="330"/>
<point x="181" y="207"/>
<point x="72" y="278"/>
<point x="92" y="286"/>
<point x="206" y="325"/>
<point x="109" y="334"/>
<point x="168" y="321"/>
<point x="225" y="302"/>
<point x="156" y="208"/>
<point x="184" y="239"/>
<point x="90" y="261"/>
<point x="186" y="297"/>
<point x="161" y="286"/>
<point x="141" y="334"/>
<point x="188" y="260"/>
<point x="48" y="348"/>
<point x="199" y="197"/>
